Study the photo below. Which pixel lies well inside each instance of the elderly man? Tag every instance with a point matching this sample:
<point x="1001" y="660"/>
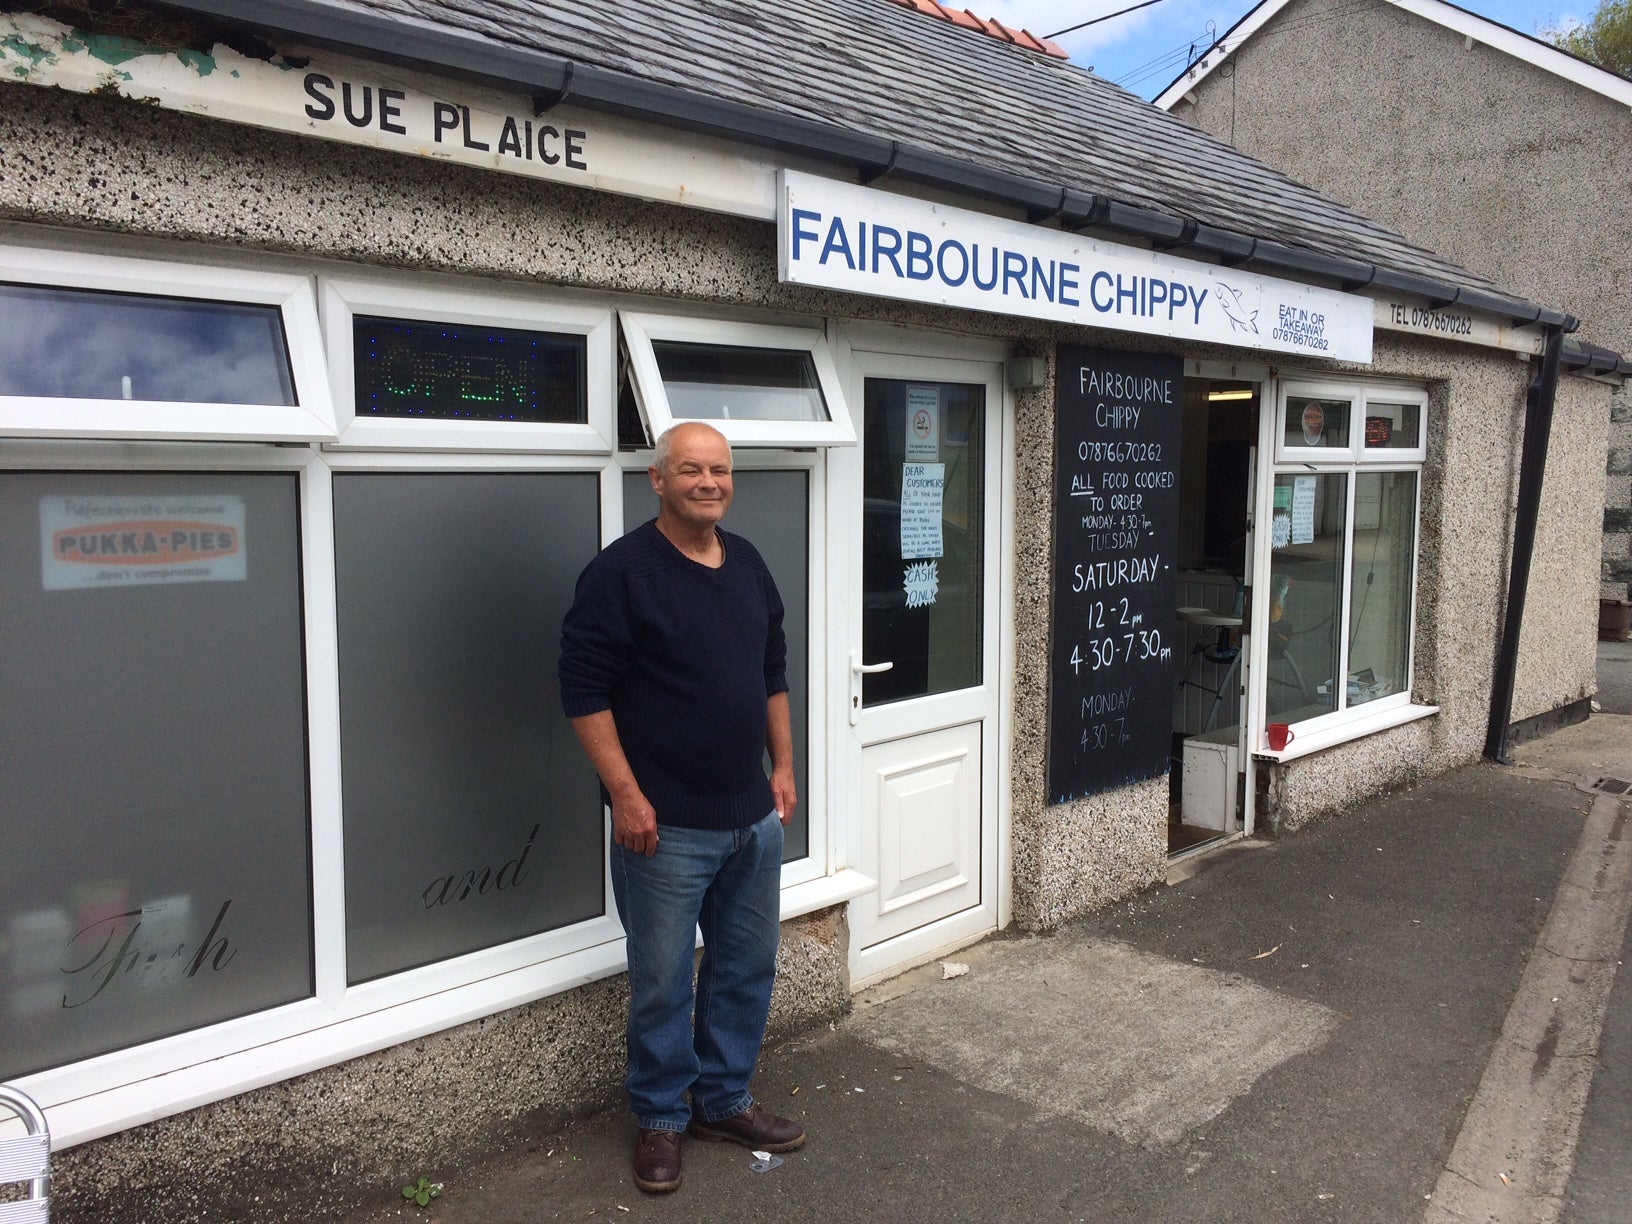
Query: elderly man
<point x="673" y="674"/>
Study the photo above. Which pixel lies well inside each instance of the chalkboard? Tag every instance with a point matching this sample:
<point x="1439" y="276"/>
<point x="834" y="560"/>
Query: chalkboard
<point x="1112" y="664"/>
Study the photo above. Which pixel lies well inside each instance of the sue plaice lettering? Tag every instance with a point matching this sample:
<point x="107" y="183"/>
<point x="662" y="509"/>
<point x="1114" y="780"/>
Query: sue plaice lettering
<point x="401" y="113"/>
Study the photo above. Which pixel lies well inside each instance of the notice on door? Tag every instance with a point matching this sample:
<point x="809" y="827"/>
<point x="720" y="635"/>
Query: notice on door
<point x="1116" y="523"/>
<point x="923" y="487"/>
<point x="924" y="424"/>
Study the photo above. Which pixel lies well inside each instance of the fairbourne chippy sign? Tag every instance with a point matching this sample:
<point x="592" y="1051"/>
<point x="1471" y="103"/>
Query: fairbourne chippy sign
<point x="841" y="236"/>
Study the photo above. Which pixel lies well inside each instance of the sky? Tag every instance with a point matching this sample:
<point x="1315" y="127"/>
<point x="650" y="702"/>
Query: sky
<point x="1143" y="51"/>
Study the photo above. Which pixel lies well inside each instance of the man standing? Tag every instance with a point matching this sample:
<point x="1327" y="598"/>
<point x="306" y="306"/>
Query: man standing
<point x="673" y="672"/>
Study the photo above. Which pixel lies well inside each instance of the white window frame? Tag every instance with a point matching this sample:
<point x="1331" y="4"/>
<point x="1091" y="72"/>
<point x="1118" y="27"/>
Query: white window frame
<point x="100" y="1096"/>
<point x="811" y="882"/>
<point x="641" y="328"/>
<point x="1344" y="723"/>
<point x="343" y="298"/>
<point x="309" y="419"/>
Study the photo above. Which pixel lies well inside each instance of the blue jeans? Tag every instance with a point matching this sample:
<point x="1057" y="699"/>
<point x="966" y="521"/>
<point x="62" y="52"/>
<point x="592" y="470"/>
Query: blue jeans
<point x="728" y="881"/>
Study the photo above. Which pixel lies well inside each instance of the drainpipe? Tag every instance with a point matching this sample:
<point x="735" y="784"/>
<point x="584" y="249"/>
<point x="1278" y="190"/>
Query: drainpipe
<point x="1538" y="425"/>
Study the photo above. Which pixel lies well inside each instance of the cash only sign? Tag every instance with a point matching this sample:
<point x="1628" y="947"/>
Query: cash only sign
<point x="859" y="240"/>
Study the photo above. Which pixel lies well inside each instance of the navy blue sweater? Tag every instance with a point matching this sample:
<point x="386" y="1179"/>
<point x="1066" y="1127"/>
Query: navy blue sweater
<point x="686" y="658"/>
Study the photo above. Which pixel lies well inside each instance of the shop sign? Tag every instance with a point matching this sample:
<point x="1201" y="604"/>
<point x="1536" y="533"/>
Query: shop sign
<point x="858" y="240"/>
<point x="1452" y="324"/>
<point x="140" y="541"/>
<point x="313" y="93"/>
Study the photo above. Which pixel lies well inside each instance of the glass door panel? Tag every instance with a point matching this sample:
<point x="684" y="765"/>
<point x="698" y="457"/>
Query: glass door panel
<point x="922" y="560"/>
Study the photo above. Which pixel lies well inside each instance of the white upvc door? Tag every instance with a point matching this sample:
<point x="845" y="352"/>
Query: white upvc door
<point x="919" y="610"/>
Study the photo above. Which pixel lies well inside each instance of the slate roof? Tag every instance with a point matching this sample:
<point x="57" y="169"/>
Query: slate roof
<point x="874" y="67"/>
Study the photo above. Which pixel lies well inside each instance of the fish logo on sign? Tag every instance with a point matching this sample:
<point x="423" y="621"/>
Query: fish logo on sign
<point x="1235" y="310"/>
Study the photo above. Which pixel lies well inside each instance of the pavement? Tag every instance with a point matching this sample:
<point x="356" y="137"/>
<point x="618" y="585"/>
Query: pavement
<point x="1416" y="1011"/>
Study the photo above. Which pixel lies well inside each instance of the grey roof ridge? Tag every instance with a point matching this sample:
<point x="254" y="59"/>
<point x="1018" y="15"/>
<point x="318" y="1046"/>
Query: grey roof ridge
<point x="426" y="46"/>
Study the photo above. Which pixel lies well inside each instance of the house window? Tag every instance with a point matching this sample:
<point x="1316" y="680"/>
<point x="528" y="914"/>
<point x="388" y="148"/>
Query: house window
<point x="471" y="815"/>
<point x="156" y="876"/>
<point x="79" y="344"/>
<point x="730" y="382"/>
<point x="759" y="385"/>
<point x="407" y="368"/>
<point x="1342" y="574"/>
<point x="97" y="346"/>
<point x="446" y="368"/>
<point x="771" y="508"/>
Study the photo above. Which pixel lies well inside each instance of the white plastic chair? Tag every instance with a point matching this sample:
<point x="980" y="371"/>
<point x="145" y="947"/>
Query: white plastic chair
<point x="26" y="1158"/>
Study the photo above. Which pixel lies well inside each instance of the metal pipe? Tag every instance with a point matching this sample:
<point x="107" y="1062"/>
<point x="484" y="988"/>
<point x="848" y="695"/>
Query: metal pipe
<point x="1538" y="426"/>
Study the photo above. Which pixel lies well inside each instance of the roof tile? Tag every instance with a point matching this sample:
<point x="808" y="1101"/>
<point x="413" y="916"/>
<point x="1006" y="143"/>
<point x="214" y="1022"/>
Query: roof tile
<point x="1033" y="117"/>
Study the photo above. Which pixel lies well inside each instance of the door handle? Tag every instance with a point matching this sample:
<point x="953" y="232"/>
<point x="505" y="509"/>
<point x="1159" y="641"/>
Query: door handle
<point x="858" y="669"/>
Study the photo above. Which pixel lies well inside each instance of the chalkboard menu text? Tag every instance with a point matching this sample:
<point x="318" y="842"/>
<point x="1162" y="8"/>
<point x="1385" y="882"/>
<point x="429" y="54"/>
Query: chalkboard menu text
<point x="1116" y="512"/>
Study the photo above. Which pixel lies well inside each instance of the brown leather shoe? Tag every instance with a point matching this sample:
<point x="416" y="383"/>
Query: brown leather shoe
<point x="754" y="1127"/>
<point x="657" y="1160"/>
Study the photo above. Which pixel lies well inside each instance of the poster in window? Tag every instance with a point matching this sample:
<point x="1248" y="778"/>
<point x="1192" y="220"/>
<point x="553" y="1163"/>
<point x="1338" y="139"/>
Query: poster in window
<point x="104" y="542"/>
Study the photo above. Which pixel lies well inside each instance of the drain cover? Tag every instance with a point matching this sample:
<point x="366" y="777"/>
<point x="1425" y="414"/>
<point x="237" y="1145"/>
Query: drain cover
<point x="1606" y="783"/>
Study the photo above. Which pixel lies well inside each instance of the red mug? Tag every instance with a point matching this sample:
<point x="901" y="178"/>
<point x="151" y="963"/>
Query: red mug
<point x="1280" y="735"/>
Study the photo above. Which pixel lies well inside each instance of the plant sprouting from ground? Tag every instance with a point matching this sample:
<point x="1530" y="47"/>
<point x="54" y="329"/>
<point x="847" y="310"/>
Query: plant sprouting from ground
<point x="423" y="1192"/>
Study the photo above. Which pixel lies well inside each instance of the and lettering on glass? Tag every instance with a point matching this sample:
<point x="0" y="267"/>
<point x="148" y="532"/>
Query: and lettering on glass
<point x="480" y="881"/>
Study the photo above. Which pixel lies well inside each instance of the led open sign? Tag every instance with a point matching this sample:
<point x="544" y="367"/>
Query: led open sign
<point x="450" y="371"/>
<point x="1378" y="430"/>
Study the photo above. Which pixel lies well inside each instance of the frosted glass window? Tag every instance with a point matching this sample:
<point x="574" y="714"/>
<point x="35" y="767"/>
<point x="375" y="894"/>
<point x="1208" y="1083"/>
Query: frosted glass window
<point x="722" y="382"/>
<point x="153" y="792"/>
<point x="471" y="816"/>
<point x="83" y="344"/>
<point x="772" y="509"/>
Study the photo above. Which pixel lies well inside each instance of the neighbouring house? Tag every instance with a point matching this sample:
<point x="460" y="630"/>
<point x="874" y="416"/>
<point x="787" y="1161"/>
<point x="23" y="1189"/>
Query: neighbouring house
<point x="1492" y="147"/>
<point x="1126" y="497"/>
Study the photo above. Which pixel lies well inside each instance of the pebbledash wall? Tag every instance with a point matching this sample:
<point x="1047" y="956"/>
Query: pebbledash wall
<point x="88" y="171"/>
<point x="1458" y="143"/>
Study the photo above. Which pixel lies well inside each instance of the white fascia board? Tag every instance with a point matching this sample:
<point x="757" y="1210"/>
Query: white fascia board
<point x="1220" y="51"/>
<point x="1520" y="46"/>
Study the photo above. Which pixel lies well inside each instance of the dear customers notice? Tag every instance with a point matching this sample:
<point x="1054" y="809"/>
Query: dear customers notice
<point x="882" y="249"/>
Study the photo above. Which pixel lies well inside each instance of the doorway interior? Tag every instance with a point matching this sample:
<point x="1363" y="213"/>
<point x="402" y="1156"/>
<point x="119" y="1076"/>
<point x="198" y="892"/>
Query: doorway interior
<point x="1207" y="778"/>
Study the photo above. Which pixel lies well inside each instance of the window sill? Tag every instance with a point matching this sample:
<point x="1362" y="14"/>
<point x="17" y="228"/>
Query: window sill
<point x="1308" y="743"/>
<point x="824" y="891"/>
<point x="329" y="1040"/>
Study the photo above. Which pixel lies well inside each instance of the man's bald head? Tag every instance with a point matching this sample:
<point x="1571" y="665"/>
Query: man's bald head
<point x="686" y="430"/>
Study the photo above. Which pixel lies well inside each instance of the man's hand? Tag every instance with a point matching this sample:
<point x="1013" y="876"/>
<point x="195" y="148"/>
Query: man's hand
<point x="634" y="824"/>
<point x="784" y="793"/>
